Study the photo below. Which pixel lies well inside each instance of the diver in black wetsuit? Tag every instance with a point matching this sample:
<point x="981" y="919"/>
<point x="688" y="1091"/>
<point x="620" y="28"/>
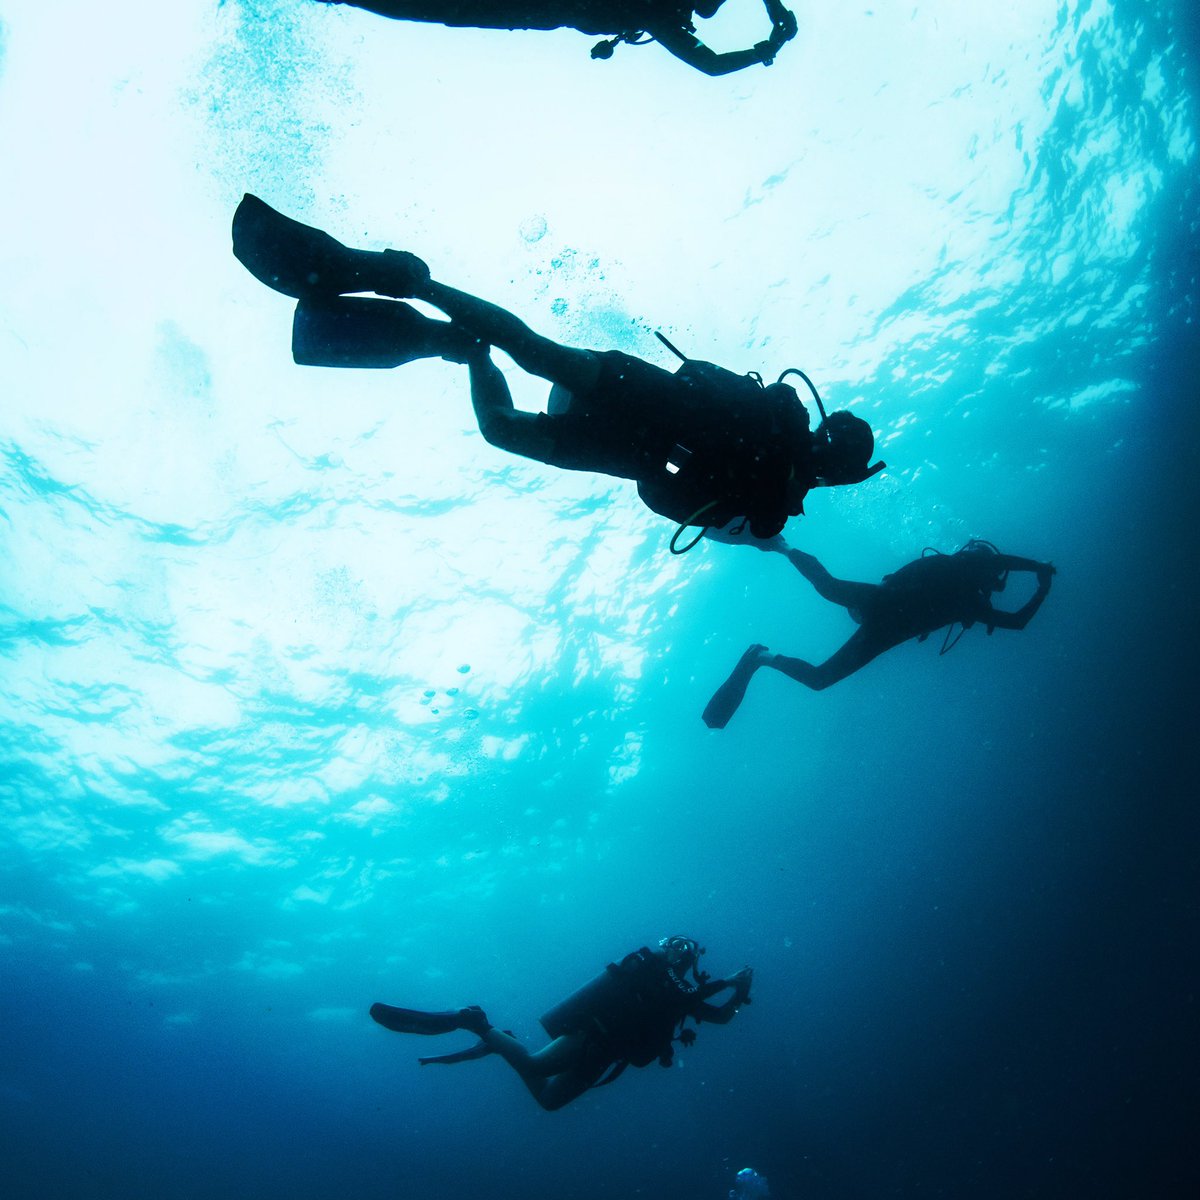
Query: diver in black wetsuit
<point x="629" y="1015"/>
<point x="705" y="445"/>
<point x="935" y="591"/>
<point x="668" y="22"/>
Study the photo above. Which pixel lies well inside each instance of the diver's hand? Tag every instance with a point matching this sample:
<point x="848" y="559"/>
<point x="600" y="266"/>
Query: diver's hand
<point x="783" y="28"/>
<point x="1046" y="572"/>
<point x="780" y="16"/>
<point x="740" y="982"/>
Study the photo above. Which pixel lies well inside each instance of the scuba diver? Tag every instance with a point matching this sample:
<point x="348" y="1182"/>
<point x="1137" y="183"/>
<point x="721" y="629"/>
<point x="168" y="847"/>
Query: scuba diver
<point x="934" y="591"/>
<point x="706" y="446"/>
<point x="635" y="22"/>
<point x="628" y="1015"/>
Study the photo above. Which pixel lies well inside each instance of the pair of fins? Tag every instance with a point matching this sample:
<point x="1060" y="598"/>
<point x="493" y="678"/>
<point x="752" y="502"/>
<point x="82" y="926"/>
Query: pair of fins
<point x="331" y="328"/>
<point x="413" y="1020"/>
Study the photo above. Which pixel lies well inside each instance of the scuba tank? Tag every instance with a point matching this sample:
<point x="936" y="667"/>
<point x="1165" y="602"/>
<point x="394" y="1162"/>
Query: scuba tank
<point x="631" y="1005"/>
<point x="841" y="446"/>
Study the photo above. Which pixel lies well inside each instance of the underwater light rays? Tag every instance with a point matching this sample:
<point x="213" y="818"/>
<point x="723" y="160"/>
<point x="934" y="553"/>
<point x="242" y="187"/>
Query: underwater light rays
<point x="1108" y="116"/>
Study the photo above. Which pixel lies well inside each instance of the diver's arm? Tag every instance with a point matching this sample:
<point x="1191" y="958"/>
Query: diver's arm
<point x="1013" y="562"/>
<point x="783" y="22"/>
<point x="691" y="50"/>
<point x="686" y="46"/>
<point x="998" y="619"/>
<point x="722" y="1014"/>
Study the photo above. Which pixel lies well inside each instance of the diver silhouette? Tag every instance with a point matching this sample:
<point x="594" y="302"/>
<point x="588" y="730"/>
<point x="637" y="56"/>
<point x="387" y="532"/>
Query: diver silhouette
<point x="937" y="590"/>
<point x="634" y="22"/>
<point x="628" y="1015"/>
<point x="705" y="445"/>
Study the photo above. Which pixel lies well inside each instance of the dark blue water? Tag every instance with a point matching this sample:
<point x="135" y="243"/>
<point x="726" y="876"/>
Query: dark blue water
<point x="309" y="698"/>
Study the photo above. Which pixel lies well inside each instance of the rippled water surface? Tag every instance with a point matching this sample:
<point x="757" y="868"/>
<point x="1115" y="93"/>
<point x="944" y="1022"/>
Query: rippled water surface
<point x="311" y="698"/>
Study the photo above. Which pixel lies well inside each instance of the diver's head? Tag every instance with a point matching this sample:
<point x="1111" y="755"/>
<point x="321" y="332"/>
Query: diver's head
<point x="768" y="523"/>
<point x="706" y="8"/>
<point x="986" y="558"/>
<point x="682" y="953"/>
<point x="842" y="449"/>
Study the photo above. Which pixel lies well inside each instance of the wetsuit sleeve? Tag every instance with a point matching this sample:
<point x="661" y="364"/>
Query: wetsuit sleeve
<point x="686" y="46"/>
<point x="1012" y="562"/>
<point x="997" y="619"/>
<point x="716" y="1014"/>
<point x="720" y="1014"/>
<point x="691" y="50"/>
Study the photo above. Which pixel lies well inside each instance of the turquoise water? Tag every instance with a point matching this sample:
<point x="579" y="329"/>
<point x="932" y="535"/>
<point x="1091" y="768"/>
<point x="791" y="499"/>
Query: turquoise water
<point x="310" y="698"/>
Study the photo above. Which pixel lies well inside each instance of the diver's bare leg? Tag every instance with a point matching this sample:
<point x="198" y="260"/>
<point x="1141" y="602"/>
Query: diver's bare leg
<point x="570" y="1085"/>
<point x="576" y="370"/>
<point x="500" y="422"/>
<point x="837" y="591"/>
<point x="394" y="8"/>
<point x="403" y="276"/>
<point x="552" y="1059"/>
<point x="859" y="650"/>
<point x="554" y="1075"/>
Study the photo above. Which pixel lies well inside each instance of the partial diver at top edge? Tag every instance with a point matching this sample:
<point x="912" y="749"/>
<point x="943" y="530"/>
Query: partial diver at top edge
<point x="633" y="22"/>
<point x="707" y="447"/>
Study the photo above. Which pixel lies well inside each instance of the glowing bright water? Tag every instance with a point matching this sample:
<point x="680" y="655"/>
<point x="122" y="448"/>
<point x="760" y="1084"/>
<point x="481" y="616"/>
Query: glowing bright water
<point x="310" y="698"/>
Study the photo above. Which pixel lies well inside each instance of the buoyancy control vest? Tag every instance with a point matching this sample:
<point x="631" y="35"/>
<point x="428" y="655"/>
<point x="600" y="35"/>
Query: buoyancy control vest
<point x="746" y="446"/>
<point x="632" y="1009"/>
<point x="944" y="589"/>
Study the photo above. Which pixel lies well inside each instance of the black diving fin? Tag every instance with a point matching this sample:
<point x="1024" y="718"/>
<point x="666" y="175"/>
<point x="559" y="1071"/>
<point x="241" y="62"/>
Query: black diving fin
<point x="413" y="1020"/>
<point x="292" y="258"/>
<point x="718" y="712"/>
<point x="359" y="331"/>
<point x="727" y="699"/>
<point x="479" y="1050"/>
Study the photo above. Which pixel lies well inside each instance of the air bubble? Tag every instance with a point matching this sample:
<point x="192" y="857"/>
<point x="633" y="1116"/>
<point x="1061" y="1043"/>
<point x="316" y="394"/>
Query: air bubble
<point x="533" y="229"/>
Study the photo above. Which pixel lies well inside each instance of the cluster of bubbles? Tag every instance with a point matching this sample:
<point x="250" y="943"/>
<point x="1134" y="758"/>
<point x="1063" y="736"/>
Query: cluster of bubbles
<point x="748" y="1184"/>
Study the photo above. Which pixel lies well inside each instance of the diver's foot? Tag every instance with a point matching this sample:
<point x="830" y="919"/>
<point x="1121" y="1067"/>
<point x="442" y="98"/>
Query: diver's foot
<point x="474" y="1020"/>
<point x="400" y="274"/>
<point x="756" y="656"/>
<point x="464" y="348"/>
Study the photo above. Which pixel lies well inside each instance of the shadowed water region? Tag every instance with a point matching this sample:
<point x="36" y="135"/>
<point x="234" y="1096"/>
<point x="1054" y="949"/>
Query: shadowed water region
<point x="310" y="698"/>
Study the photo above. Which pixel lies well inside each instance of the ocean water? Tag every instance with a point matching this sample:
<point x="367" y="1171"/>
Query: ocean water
<point x="310" y="698"/>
